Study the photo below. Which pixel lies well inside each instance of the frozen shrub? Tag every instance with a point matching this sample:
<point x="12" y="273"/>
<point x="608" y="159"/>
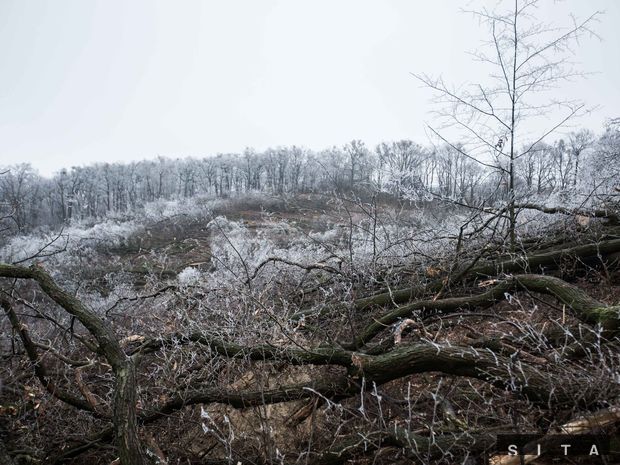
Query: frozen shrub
<point x="189" y="276"/>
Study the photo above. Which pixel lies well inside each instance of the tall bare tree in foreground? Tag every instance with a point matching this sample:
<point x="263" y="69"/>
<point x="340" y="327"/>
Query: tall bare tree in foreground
<point x="525" y="59"/>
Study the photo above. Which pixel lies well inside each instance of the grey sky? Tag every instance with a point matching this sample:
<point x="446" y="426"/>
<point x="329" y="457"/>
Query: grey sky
<point x="84" y="81"/>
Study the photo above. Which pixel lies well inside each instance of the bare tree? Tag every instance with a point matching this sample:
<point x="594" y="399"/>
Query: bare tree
<point x="579" y="142"/>
<point x="525" y="58"/>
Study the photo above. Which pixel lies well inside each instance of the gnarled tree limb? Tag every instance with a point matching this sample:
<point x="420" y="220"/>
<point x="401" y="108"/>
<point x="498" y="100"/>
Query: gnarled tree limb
<point x="124" y="404"/>
<point x="534" y="262"/>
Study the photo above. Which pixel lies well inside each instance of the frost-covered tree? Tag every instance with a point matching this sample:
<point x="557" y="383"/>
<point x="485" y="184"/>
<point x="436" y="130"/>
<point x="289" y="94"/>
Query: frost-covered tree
<point x="524" y="59"/>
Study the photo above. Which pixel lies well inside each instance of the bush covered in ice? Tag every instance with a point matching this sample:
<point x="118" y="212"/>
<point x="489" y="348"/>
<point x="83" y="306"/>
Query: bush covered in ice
<point x="189" y="276"/>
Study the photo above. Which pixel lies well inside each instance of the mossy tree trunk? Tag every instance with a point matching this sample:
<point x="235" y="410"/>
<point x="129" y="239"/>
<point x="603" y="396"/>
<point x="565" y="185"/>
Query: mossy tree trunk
<point x="124" y="404"/>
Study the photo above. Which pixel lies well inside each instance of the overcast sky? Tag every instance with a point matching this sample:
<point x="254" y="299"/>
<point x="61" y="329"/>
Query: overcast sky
<point x="84" y="81"/>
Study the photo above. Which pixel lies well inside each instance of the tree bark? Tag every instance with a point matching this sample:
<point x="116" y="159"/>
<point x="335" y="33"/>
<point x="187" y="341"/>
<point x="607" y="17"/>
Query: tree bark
<point x="124" y="406"/>
<point x="587" y="309"/>
<point x="607" y="214"/>
<point x="38" y="366"/>
<point x="535" y="262"/>
<point x="450" y="304"/>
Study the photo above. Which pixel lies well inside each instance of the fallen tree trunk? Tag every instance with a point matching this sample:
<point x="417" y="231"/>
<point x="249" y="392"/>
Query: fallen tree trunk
<point x="535" y="262"/>
<point x="403" y="361"/>
<point x="486" y="366"/>
<point x="586" y="308"/>
<point x="335" y="388"/>
<point x="446" y="305"/>
<point x="596" y="213"/>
